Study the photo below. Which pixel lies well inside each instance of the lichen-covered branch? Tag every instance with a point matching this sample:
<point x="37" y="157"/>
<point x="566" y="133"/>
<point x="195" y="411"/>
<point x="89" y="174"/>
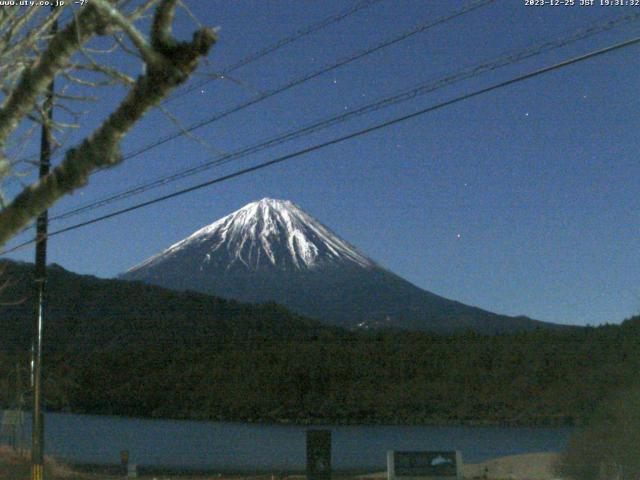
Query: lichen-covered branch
<point x="161" y="29"/>
<point x="173" y="63"/>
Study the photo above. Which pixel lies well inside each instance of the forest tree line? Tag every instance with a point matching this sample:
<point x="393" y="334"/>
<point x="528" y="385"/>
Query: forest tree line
<point x="126" y="348"/>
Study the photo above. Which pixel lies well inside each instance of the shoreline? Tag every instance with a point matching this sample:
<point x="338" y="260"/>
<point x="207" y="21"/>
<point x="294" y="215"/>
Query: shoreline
<point x="546" y="422"/>
<point x="530" y="466"/>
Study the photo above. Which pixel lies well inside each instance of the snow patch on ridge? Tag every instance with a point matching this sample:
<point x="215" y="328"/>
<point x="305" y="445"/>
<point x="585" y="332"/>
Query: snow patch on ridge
<point x="268" y="232"/>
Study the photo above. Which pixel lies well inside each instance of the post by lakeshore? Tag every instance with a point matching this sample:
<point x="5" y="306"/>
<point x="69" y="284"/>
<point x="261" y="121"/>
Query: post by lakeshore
<point x="40" y="275"/>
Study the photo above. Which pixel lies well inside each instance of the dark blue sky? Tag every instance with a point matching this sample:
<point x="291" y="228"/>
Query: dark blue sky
<point x="522" y="201"/>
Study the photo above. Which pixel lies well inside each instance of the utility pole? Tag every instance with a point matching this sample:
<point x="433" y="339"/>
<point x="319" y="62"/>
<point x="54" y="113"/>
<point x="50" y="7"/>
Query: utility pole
<point x="40" y="277"/>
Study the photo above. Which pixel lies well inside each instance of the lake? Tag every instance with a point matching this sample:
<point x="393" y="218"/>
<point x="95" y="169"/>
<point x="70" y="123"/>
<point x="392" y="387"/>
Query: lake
<point x="220" y="445"/>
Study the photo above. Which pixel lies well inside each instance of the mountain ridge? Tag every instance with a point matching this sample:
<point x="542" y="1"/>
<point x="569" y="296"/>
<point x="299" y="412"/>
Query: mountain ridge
<point x="249" y="231"/>
<point x="271" y="250"/>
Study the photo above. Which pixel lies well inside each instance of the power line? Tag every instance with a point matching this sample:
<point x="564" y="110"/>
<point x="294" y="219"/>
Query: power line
<point x="305" y="78"/>
<point x="252" y="57"/>
<point x="300" y="80"/>
<point x="421" y="89"/>
<point x="415" y="30"/>
<point x="341" y="139"/>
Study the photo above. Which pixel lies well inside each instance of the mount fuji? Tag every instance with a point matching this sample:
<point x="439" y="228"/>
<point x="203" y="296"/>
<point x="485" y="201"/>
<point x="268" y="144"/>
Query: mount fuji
<point x="271" y="250"/>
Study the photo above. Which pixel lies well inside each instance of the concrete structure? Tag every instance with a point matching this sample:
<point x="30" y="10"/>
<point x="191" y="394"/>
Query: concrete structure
<point x="424" y="465"/>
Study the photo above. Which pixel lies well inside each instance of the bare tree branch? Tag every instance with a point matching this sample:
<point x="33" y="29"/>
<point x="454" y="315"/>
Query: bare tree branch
<point x="36" y="78"/>
<point x="149" y="55"/>
<point x="141" y="10"/>
<point x="161" y="29"/>
<point x="170" y="65"/>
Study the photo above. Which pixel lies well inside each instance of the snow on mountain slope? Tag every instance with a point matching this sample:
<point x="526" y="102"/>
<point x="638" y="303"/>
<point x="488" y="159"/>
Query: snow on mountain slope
<point x="271" y="250"/>
<point x="267" y="233"/>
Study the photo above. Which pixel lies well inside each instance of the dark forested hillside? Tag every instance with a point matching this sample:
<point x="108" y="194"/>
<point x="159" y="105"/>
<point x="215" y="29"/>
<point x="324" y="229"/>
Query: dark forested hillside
<point x="126" y="348"/>
<point x="85" y="314"/>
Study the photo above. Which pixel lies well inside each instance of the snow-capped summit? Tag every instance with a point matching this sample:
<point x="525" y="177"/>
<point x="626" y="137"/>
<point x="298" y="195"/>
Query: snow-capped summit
<point x="264" y="234"/>
<point x="271" y="250"/>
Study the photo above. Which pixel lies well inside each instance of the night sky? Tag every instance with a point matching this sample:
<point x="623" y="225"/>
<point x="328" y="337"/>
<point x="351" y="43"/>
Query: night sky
<point x="521" y="201"/>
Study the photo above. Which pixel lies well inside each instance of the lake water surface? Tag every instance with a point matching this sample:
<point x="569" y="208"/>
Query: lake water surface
<point x="219" y="445"/>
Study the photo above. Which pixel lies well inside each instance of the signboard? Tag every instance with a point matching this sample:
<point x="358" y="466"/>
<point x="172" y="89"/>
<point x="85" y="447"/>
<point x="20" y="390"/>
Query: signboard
<point x="12" y="428"/>
<point x="318" y="454"/>
<point x="124" y="462"/>
<point x="433" y="465"/>
<point x="132" y="470"/>
<point x="12" y="418"/>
